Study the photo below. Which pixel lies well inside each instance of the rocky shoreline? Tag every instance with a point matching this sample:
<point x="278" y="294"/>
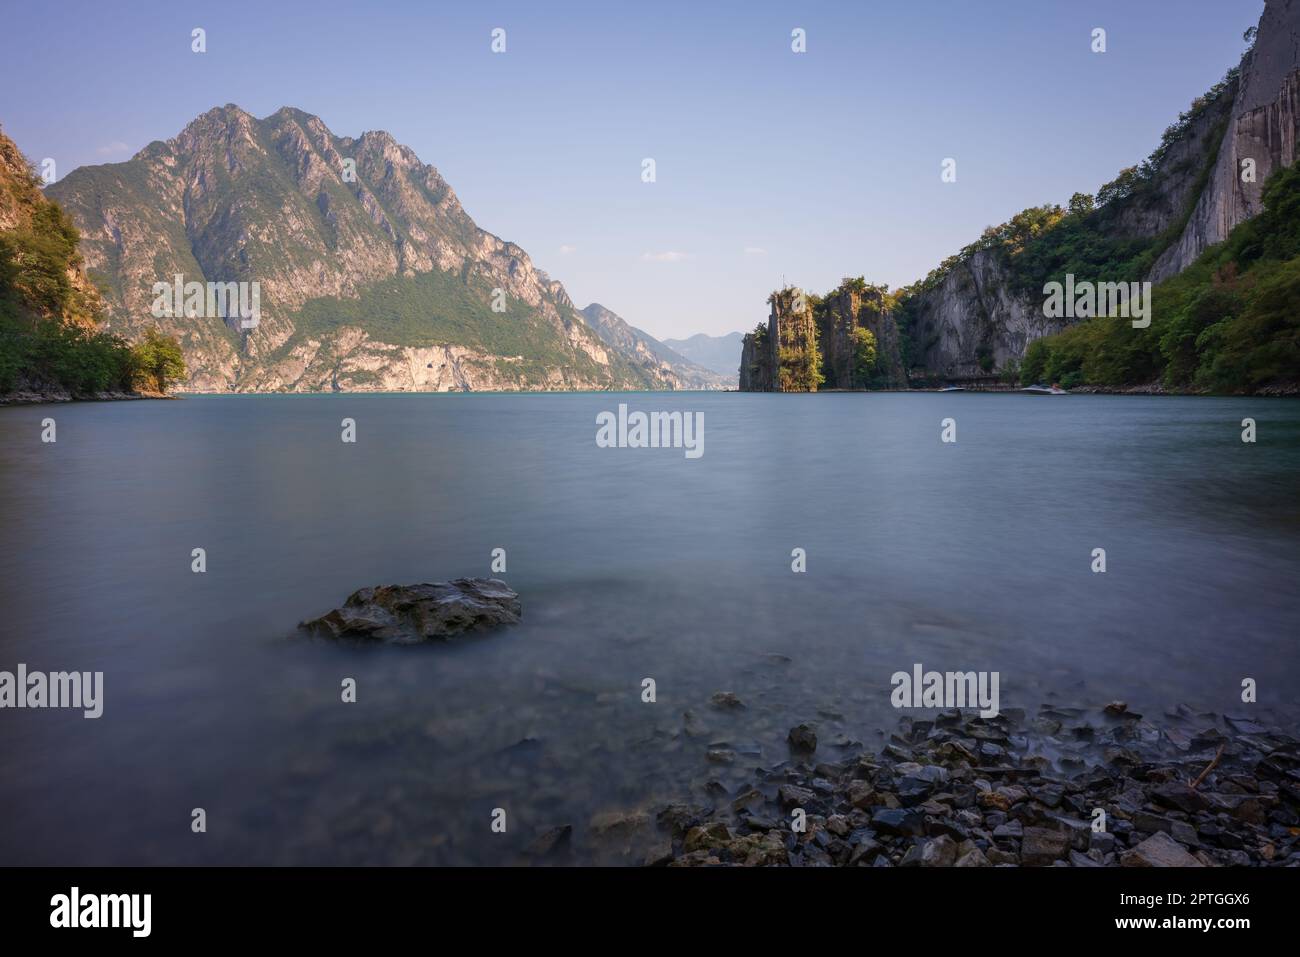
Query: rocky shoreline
<point x="26" y="397"/>
<point x="1064" y="788"/>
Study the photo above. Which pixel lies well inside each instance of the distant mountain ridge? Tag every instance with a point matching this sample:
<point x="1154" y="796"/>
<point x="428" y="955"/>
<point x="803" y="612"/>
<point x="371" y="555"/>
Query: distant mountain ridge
<point x="655" y="356"/>
<point x="719" y="353"/>
<point x="372" y="276"/>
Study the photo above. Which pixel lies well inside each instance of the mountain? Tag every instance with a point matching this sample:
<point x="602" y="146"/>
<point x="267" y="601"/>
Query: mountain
<point x="719" y="353"/>
<point x="665" y="366"/>
<point x="974" y="317"/>
<point x="371" y="276"/>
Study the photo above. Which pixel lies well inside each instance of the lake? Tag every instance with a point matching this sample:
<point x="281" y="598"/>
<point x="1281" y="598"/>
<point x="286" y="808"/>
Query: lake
<point x="631" y="563"/>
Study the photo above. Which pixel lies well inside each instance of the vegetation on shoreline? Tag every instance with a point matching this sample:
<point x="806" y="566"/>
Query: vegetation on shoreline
<point x="50" y="340"/>
<point x="1230" y="322"/>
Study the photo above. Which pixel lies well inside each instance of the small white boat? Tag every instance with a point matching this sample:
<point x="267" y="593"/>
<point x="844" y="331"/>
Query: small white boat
<point x="1040" y="389"/>
<point x="953" y="388"/>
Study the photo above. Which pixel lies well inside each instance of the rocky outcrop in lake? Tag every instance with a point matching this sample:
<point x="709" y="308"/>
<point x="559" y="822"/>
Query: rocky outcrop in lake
<point x="782" y="357"/>
<point x="856" y="305"/>
<point x="412" y="614"/>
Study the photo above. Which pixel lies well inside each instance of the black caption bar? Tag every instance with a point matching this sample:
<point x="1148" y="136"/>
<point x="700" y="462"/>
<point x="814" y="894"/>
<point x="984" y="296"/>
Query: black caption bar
<point x="334" y="905"/>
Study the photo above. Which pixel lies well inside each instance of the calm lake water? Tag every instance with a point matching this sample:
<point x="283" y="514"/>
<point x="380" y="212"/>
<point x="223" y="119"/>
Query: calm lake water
<point x="630" y="563"/>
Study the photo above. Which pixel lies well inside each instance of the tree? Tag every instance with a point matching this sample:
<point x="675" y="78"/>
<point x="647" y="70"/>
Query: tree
<point x="158" y="361"/>
<point x="1081" y="204"/>
<point x="1120" y="187"/>
<point x="1035" y="362"/>
<point x="864" y="356"/>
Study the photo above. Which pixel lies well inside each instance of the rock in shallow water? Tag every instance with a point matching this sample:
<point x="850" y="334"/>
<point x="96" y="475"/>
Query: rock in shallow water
<point x="550" y="843"/>
<point x="802" y="738"/>
<point x="726" y="701"/>
<point x="1159" y="850"/>
<point x="410" y="614"/>
<point x="934" y="799"/>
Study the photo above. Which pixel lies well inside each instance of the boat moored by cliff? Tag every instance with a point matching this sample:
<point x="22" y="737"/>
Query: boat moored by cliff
<point x="1040" y="389"/>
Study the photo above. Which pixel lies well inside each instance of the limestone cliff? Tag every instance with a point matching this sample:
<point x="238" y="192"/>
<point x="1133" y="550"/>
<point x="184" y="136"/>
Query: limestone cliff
<point x="755" y="366"/>
<point x="783" y="357"/>
<point x="973" y="321"/>
<point x="858" y="305"/>
<point x="1264" y="126"/>
<point x="975" y="316"/>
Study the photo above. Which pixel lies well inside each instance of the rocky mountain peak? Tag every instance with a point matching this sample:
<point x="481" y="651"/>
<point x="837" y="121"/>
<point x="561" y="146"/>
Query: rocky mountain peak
<point x="360" y="250"/>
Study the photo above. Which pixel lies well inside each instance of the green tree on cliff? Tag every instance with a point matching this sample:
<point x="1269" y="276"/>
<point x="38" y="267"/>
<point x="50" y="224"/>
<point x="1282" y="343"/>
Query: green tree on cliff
<point x="864" y="356"/>
<point x="158" y="361"/>
<point x="801" y="369"/>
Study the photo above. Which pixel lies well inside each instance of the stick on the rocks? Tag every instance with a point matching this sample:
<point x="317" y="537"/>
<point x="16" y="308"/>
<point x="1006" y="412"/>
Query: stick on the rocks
<point x="1202" y="775"/>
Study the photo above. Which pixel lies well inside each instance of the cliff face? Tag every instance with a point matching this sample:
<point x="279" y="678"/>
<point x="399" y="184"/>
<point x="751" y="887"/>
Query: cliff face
<point x="755" y="372"/>
<point x="792" y="342"/>
<point x="371" y="274"/>
<point x="852" y="307"/>
<point x="975" y="319"/>
<point x="664" y="367"/>
<point x="1265" y="123"/>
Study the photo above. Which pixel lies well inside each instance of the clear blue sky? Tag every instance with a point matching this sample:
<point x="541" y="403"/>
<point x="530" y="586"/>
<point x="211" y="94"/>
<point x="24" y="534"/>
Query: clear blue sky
<point x="771" y="165"/>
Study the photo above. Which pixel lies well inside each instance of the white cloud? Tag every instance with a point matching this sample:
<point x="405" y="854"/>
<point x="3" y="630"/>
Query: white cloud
<point x="668" y="256"/>
<point x="755" y="251"/>
<point x="116" y="148"/>
<point x="566" y="249"/>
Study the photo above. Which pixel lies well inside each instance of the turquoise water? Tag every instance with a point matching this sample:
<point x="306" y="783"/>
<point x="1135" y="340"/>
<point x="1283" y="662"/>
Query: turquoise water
<point x="630" y="563"/>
